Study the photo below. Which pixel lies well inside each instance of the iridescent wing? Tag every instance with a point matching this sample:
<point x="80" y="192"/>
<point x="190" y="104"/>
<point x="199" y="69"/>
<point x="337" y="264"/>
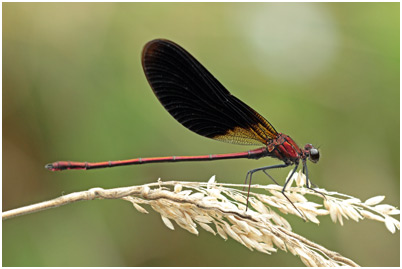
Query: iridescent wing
<point x="199" y="101"/>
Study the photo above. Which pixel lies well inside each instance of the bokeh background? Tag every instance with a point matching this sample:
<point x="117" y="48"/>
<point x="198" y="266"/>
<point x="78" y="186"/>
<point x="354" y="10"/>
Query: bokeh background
<point x="74" y="89"/>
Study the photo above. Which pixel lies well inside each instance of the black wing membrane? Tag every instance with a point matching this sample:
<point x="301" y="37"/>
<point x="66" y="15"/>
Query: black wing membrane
<point x="199" y="101"/>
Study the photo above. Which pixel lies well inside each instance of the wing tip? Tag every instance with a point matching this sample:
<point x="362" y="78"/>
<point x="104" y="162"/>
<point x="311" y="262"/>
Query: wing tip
<point x="150" y="46"/>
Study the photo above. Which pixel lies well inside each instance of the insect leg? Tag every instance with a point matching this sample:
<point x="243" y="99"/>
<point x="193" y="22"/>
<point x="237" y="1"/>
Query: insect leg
<point x="283" y="192"/>
<point x="251" y="172"/>
<point x="308" y="181"/>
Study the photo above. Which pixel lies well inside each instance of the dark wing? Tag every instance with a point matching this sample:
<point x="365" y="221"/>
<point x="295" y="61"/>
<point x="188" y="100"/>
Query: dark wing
<point x="197" y="100"/>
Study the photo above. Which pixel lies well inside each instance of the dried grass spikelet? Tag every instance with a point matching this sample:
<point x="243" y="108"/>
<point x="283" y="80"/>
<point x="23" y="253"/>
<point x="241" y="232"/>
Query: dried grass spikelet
<point x="220" y="209"/>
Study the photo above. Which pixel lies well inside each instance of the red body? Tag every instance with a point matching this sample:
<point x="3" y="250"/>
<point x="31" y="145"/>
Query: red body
<point x="283" y="148"/>
<point x="196" y="99"/>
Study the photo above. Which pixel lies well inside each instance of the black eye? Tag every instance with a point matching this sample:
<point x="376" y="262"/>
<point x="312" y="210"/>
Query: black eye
<point x="314" y="155"/>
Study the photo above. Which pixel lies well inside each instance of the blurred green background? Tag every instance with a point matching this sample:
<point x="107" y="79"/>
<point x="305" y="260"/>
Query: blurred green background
<point x="74" y="89"/>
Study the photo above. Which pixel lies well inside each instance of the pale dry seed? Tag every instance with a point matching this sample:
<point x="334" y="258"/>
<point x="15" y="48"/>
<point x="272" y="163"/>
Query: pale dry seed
<point x="207" y="228"/>
<point x="167" y="222"/>
<point x="374" y="200"/>
<point x="178" y="188"/>
<point x="211" y="202"/>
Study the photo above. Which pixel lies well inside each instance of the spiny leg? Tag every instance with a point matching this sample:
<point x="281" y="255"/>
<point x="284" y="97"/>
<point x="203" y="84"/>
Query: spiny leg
<point x="264" y="169"/>
<point x="251" y="172"/>
<point x="270" y="177"/>
<point x="283" y="192"/>
<point x="308" y="182"/>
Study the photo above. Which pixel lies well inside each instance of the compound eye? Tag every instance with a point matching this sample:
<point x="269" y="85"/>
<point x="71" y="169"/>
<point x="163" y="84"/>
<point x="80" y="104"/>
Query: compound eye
<point x="314" y="155"/>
